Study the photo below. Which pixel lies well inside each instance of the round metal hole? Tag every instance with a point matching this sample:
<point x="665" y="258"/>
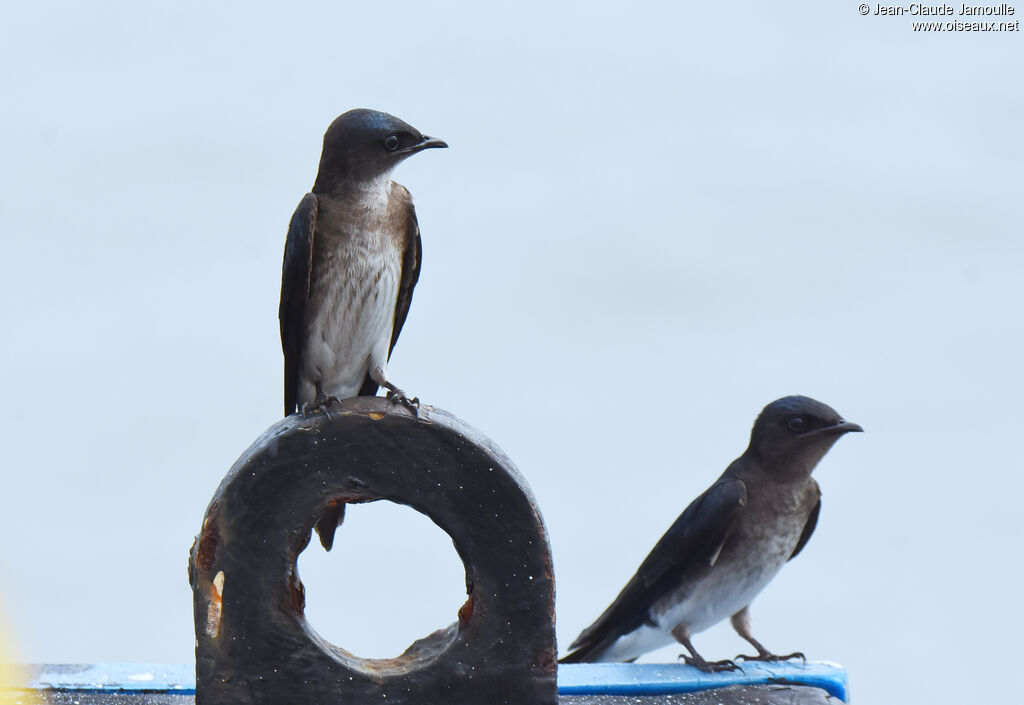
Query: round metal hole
<point x="391" y="578"/>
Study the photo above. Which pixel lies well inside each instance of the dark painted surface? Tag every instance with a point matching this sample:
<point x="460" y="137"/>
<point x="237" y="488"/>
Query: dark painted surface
<point x="254" y="645"/>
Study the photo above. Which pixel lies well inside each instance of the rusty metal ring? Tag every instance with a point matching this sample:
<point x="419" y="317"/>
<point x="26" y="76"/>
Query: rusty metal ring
<point x="253" y="644"/>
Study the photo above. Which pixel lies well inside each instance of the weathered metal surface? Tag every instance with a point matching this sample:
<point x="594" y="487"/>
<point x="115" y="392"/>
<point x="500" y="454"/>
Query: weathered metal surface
<point x="71" y="693"/>
<point x="733" y="695"/>
<point x="579" y="684"/>
<point x="71" y="697"/>
<point x="254" y="644"/>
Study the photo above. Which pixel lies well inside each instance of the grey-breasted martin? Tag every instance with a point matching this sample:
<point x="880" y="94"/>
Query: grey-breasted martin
<point x="351" y="261"/>
<point x="726" y="546"/>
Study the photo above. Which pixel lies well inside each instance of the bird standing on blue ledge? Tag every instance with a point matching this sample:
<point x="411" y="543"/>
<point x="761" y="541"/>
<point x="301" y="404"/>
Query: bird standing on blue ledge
<point x="726" y="546"/>
<point x="351" y="261"/>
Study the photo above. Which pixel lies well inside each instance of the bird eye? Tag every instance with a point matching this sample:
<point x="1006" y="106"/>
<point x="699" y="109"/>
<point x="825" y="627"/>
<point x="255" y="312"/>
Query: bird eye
<point x="391" y="143"/>
<point x="798" y="423"/>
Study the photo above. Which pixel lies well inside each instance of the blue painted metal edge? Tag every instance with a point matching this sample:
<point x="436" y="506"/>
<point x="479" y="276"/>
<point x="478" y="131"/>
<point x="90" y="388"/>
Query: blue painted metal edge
<point x="112" y="677"/>
<point x="573" y="679"/>
<point x="667" y="678"/>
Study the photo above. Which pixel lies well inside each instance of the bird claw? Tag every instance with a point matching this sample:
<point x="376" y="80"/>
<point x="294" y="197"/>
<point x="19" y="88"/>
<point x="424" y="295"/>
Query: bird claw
<point x="319" y="404"/>
<point x="397" y="396"/>
<point x="768" y="656"/>
<point x="710" y="666"/>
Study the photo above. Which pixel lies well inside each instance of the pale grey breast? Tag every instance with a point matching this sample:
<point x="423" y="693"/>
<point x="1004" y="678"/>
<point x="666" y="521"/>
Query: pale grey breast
<point x="753" y="555"/>
<point x="352" y="297"/>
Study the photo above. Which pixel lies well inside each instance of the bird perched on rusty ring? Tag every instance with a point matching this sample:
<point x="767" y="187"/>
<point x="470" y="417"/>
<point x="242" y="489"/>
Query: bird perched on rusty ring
<point x="351" y="262"/>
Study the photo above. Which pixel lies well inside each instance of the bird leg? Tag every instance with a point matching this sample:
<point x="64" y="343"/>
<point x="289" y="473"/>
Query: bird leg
<point x="741" y="623"/>
<point x="682" y="635"/>
<point x="395" y="395"/>
<point x="320" y="402"/>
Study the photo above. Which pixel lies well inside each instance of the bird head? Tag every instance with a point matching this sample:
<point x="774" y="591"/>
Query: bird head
<point x="792" y="434"/>
<point x="366" y="145"/>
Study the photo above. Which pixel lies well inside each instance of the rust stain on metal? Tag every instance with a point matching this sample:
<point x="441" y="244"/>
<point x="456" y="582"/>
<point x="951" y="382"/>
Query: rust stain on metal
<point x="208" y="541"/>
<point x="466" y="611"/>
<point x="547" y="661"/>
<point x="215" y="605"/>
<point x="296" y="591"/>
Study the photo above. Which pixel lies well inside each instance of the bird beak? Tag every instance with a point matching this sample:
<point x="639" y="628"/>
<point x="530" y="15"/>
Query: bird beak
<point x="425" y="143"/>
<point x="838" y="429"/>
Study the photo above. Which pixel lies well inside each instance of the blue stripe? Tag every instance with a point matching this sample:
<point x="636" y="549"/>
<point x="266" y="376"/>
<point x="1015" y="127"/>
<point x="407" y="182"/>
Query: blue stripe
<point x="662" y="679"/>
<point x="573" y="679"/>
<point x="114" y="677"/>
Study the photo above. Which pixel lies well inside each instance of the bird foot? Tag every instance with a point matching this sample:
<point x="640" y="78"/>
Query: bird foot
<point x="768" y="656"/>
<point x="319" y="404"/>
<point x="397" y="396"/>
<point x="710" y="666"/>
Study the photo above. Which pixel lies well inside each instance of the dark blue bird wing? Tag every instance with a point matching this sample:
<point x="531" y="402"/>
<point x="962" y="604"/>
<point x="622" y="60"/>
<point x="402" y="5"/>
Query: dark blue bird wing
<point x="689" y="547"/>
<point x="295" y="276"/>
<point x="805" y="535"/>
<point x="412" y="257"/>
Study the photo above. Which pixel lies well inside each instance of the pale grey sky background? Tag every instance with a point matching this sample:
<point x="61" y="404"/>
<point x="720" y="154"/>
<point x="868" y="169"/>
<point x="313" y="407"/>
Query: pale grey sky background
<point x="652" y="221"/>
